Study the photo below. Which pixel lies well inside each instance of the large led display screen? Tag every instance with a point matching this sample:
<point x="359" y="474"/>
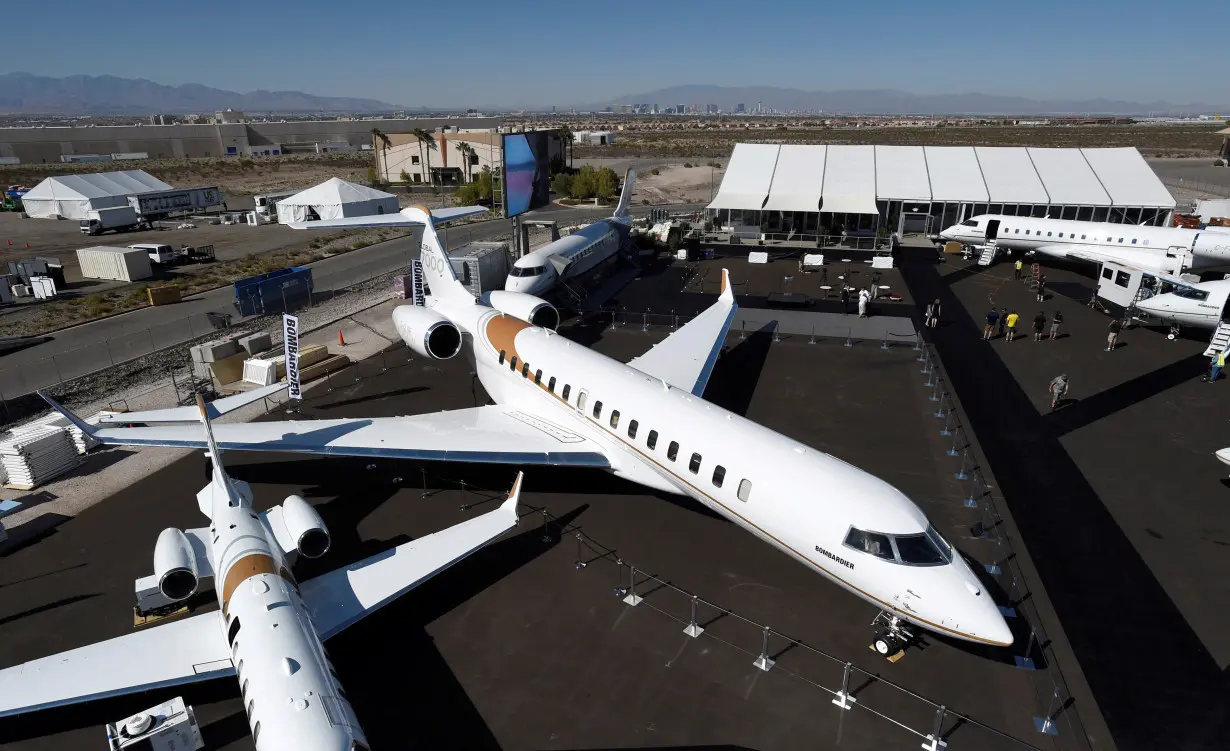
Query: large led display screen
<point x="527" y="181"/>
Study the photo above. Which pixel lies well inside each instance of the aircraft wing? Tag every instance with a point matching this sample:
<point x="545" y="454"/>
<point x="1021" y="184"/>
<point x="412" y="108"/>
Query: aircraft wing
<point x="685" y="359"/>
<point x="1092" y="254"/>
<point x="192" y="414"/>
<point x="400" y="219"/>
<point x="341" y="598"/>
<point x="172" y="654"/>
<point x="493" y="434"/>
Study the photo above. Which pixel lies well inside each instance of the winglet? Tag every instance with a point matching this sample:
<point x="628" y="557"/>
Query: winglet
<point x="84" y="426"/>
<point x="514" y="497"/>
<point x="728" y="292"/>
<point x="625" y="196"/>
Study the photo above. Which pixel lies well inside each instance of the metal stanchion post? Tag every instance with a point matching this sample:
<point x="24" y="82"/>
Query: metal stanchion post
<point x="612" y="326"/>
<point x="763" y="661"/>
<point x="932" y="379"/>
<point x="952" y="450"/>
<point x="935" y="387"/>
<point x="884" y="344"/>
<point x="917" y="343"/>
<point x="934" y="741"/>
<point x="329" y="380"/>
<point x="843" y="698"/>
<point x="423" y="473"/>
<point x="546" y="533"/>
<point x="776" y="334"/>
<point x="812" y="338"/>
<point x="940" y="414"/>
<point x="384" y="365"/>
<point x="743" y="329"/>
<point x="970" y="501"/>
<point x="848" y="342"/>
<point x="693" y="629"/>
<point x="645" y="321"/>
<point x="632" y="598"/>
<point x="580" y="562"/>
<point x="961" y="473"/>
<point x="1025" y="661"/>
<point x="1046" y="725"/>
<point x="926" y="361"/>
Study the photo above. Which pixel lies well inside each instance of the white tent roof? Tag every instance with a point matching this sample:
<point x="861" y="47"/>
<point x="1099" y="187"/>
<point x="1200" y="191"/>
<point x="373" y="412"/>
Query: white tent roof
<point x="850" y="180"/>
<point x="748" y="177"/>
<point x="97" y="185"/>
<point x="1010" y="176"/>
<point x="797" y="179"/>
<point x="1068" y="177"/>
<point x="955" y="174"/>
<point x="1128" y="178"/>
<point x="901" y="172"/>
<point x="334" y="192"/>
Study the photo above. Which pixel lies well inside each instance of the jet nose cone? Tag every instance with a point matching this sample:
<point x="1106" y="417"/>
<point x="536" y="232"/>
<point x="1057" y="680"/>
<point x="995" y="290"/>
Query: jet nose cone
<point x="997" y="631"/>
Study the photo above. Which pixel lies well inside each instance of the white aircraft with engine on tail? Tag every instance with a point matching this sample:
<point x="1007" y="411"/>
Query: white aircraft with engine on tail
<point x="558" y="403"/>
<point x="269" y="630"/>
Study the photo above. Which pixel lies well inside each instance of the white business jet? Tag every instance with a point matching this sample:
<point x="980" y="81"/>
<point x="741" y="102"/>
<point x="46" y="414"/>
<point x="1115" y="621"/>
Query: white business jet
<point x="1156" y="250"/>
<point x="1198" y="304"/>
<point x="560" y="403"/>
<point x="269" y="629"/>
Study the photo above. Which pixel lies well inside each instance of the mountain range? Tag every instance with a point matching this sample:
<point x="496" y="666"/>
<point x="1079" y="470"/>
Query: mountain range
<point x="890" y="102"/>
<point x="109" y="95"/>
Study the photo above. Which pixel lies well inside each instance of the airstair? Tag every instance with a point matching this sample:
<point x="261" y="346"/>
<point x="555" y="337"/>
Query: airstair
<point x="1220" y="340"/>
<point x="989" y="251"/>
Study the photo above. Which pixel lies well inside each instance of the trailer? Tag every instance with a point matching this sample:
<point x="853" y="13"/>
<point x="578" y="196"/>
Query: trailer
<point x="160" y="203"/>
<point x="116" y="218"/>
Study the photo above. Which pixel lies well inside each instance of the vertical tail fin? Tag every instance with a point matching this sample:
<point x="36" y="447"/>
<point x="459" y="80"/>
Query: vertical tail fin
<point x="215" y="455"/>
<point x="437" y="270"/>
<point x="625" y="196"/>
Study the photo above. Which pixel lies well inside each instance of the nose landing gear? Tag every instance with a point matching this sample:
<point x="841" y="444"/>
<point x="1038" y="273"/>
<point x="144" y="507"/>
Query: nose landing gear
<point x="891" y="637"/>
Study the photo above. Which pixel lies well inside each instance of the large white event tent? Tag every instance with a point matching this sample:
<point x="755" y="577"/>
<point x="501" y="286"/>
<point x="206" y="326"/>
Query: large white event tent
<point x="335" y="199"/>
<point x="73" y="196"/>
<point x="830" y="189"/>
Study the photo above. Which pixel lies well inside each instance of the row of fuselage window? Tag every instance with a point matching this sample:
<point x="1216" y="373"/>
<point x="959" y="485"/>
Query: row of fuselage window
<point x="1071" y="235"/>
<point x="744" y="491"/>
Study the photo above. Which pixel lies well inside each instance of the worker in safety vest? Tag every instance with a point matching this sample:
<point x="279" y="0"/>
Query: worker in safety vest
<point x="1016" y="271"/>
<point x="1217" y="361"/>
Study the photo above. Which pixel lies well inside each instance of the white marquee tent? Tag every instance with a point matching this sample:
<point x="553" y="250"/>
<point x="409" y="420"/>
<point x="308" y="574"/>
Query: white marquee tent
<point x="335" y="199"/>
<point x="73" y="196"/>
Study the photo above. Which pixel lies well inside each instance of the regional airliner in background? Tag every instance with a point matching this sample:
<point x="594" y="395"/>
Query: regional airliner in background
<point x="537" y="272"/>
<point x="1154" y="250"/>
<point x="269" y="629"/>
<point x="559" y="403"/>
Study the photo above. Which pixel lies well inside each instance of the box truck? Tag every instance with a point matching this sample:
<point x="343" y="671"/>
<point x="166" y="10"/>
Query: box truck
<point x="118" y="219"/>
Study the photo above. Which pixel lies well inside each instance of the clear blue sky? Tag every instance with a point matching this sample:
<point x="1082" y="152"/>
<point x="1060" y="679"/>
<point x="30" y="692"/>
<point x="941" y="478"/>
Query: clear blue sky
<point x="507" y="53"/>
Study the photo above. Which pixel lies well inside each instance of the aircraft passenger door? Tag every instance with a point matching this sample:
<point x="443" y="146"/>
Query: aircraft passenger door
<point x="992" y="229"/>
<point x="582" y="398"/>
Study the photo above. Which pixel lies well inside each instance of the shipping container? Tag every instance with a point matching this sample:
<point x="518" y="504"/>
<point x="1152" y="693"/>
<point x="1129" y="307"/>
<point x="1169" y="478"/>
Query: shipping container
<point x="163" y="295"/>
<point x="275" y="292"/>
<point x="163" y="202"/>
<point x="119" y="264"/>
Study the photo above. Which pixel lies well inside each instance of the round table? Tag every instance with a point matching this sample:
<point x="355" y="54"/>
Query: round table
<point x="826" y="289"/>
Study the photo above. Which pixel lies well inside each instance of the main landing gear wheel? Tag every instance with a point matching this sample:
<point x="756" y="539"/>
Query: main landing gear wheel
<point x="1173" y="333"/>
<point x="886" y="644"/>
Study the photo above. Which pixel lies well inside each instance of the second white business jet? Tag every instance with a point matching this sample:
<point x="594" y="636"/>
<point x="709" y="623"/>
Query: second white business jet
<point x="269" y="630"/>
<point x="560" y="403"/>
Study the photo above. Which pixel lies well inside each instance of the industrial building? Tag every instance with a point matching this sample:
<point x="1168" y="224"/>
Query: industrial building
<point x="46" y="145"/>
<point x="451" y="156"/>
<point x="594" y="137"/>
<point x="74" y="196"/>
<point x="823" y="190"/>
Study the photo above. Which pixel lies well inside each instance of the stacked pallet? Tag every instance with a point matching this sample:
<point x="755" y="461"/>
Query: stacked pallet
<point x="37" y="455"/>
<point x="81" y="441"/>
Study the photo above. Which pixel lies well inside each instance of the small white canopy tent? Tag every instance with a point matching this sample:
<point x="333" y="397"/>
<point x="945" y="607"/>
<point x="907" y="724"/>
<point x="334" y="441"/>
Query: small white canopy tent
<point x="335" y="199"/>
<point x="73" y="196"/>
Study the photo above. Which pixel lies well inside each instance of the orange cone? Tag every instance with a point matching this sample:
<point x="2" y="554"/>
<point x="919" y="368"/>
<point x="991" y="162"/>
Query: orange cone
<point x="27" y="246"/>
<point x="340" y="341"/>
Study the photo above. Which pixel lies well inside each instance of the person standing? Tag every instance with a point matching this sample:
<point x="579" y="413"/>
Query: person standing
<point x="845" y="299"/>
<point x="1039" y="325"/>
<point x="936" y="311"/>
<point x="1016" y="270"/>
<point x="1042" y="289"/>
<point x="1058" y="389"/>
<point x="1113" y="336"/>
<point x="1003" y="321"/>
<point x="1217" y="362"/>
<point x="989" y="330"/>
<point x="1012" y="320"/>
<point x="928" y="314"/>
<point x="1055" y="321"/>
<point x="863" y="298"/>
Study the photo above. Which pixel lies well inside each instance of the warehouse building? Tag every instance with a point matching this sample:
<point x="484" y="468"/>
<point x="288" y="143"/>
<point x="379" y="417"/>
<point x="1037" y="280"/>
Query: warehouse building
<point x="47" y="145"/>
<point x="74" y="196"/>
<point x="804" y="191"/>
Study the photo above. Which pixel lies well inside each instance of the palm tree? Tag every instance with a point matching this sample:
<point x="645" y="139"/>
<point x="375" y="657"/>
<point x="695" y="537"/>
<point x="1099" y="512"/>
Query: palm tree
<point x="426" y="141"/>
<point x="466" y="151"/>
<point x="377" y="135"/>
<point x="566" y="135"/>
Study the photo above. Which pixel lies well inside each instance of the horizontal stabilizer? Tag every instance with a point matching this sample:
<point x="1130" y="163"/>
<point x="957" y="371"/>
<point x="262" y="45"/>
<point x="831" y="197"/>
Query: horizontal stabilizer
<point x="341" y="598"/>
<point x="215" y="409"/>
<point x="409" y="217"/>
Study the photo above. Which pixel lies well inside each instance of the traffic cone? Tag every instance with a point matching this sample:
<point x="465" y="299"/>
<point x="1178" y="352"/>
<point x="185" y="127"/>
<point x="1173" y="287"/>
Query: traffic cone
<point x="340" y="341"/>
<point x="27" y="246"/>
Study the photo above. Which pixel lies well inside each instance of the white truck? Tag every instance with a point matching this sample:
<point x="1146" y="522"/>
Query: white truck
<point x="118" y="218"/>
<point x="158" y="253"/>
<point x="267" y="204"/>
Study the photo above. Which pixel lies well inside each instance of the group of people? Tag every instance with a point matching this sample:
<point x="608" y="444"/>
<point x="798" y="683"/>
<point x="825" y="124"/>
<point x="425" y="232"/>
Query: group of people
<point x="864" y="297"/>
<point x="1004" y="323"/>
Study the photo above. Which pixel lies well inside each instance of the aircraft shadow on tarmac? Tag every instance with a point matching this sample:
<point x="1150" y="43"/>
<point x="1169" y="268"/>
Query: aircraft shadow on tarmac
<point x="33" y="531"/>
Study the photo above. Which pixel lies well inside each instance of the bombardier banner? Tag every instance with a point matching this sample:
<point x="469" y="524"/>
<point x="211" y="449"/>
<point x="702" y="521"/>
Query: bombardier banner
<point x="290" y="347"/>
<point x="416" y="279"/>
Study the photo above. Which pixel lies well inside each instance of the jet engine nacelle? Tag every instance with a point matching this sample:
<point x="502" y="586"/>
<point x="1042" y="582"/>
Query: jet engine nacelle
<point x="535" y="310"/>
<point x="175" y="565"/>
<point x="427" y="332"/>
<point x="306" y="527"/>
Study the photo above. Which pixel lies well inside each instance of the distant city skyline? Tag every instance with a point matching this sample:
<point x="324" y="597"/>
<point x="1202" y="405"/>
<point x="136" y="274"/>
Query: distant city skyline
<point x="472" y="58"/>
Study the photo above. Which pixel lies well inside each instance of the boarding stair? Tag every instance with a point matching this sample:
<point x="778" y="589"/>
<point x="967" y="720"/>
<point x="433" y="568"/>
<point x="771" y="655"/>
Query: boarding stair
<point x="574" y="295"/>
<point x="989" y="251"/>
<point x="1220" y="340"/>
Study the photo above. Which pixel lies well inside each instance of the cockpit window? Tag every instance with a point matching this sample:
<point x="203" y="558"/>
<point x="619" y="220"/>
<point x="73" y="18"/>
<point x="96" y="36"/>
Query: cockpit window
<point x="526" y="270"/>
<point x="870" y="542"/>
<point x="970" y="223"/>
<point x="918" y="550"/>
<point x="1199" y="295"/>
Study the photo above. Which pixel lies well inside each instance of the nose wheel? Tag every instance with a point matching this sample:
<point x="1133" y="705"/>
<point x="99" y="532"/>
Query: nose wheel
<point x="1173" y="333"/>
<point x="892" y="635"/>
